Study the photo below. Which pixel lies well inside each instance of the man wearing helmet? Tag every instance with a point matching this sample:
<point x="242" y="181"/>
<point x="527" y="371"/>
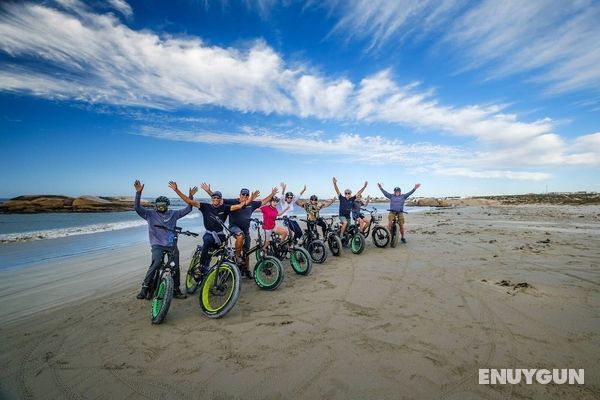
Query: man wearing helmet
<point x="239" y="221"/>
<point x="160" y="240"/>
<point x="397" y="206"/>
<point x="346" y="202"/>
<point x="216" y="209"/>
<point x="286" y="205"/>
<point x="312" y="209"/>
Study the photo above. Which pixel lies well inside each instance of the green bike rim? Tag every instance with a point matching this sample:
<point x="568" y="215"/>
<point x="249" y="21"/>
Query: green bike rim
<point x="355" y="244"/>
<point x="157" y="302"/>
<point x="189" y="280"/>
<point x="266" y="273"/>
<point x="208" y="284"/>
<point x="299" y="263"/>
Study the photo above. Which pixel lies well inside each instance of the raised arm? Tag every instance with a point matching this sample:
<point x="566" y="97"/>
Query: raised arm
<point x="270" y="196"/>
<point x="186" y="210"/>
<point x="386" y="194"/>
<point x="302" y="191"/>
<point x="367" y="202"/>
<point x="187" y="200"/>
<point x="363" y="188"/>
<point x="327" y="203"/>
<point x="141" y="211"/>
<point x="300" y="202"/>
<point x="335" y="186"/>
<point x="206" y="187"/>
<point x="406" y="195"/>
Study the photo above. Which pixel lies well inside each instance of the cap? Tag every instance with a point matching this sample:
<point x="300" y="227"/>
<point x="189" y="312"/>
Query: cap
<point x="217" y="194"/>
<point x="245" y="191"/>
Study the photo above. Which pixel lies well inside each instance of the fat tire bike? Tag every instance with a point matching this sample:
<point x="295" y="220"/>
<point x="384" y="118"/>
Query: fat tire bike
<point x="394" y="232"/>
<point x="332" y="236"/>
<point x="312" y="243"/>
<point x="380" y="233"/>
<point x="300" y="259"/>
<point x="162" y="285"/>
<point x="268" y="271"/>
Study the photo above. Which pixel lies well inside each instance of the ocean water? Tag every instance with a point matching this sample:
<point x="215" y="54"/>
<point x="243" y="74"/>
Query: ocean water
<point x="27" y="239"/>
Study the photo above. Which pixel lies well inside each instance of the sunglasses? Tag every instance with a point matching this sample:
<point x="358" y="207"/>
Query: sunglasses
<point x="348" y="193"/>
<point x="216" y="197"/>
<point x="244" y="194"/>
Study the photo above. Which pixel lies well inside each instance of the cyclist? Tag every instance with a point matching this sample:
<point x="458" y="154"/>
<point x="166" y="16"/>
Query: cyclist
<point x="288" y="200"/>
<point x="270" y="213"/>
<point x="160" y="240"/>
<point x="312" y="209"/>
<point x="357" y="215"/>
<point x="239" y="221"/>
<point x="346" y="204"/>
<point x="214" y="235"/>
<point x="397" y="207"/>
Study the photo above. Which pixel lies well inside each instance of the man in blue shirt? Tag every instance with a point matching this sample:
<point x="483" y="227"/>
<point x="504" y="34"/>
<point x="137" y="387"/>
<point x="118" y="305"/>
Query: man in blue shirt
<point x="346" y="202"/>
<point x="161" y="240"/>
<point x="397" y="206"/>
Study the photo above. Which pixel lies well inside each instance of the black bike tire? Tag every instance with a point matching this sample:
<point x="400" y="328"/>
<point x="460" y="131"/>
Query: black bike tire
<point x="278" y="267"/>
<point x="358" y="237"/>
<point x="190" y="276"/>
<point x="223" y="310"/>
<point x="375" y="235"/>
<point x="335" y="245"/>
<point x="394" y="235"/>
<point x="317" y="243"/>
<point x="167" y="279"/>
<point x="306" y="256"/>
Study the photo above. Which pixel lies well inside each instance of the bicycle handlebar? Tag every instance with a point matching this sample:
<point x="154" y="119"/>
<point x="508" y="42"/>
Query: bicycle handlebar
<point x="178" y="230"/>
<point x="404" y="212"/>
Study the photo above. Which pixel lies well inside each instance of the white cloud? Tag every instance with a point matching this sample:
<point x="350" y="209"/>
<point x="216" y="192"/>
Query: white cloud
<point x="122" y="7"/>
<point x="495" y="174"/>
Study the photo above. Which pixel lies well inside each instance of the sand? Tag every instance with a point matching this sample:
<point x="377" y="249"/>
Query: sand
<point x="417" y="321"/>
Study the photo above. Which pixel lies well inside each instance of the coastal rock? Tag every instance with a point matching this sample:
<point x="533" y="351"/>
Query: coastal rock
<point x="52" y="203"/>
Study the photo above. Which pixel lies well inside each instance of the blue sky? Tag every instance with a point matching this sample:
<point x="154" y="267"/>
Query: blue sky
<point x="474" y="98"/>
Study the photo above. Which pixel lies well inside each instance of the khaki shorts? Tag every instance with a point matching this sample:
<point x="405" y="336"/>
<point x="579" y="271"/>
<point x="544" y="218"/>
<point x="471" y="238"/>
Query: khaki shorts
<point x="399" y="215"/>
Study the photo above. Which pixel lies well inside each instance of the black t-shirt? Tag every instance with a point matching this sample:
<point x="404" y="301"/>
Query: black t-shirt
<point x="240" y="217"/>
<point x="346" y="205"/>
<point x="208" y="211"/>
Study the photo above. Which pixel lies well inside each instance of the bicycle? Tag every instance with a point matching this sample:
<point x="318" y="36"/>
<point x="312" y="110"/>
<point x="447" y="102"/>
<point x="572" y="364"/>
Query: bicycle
<point x="268" y="270"/>
<point x="312" y="242"/>
<point x="355" y="238"/>
<point x="395" y="227"/>
<point x="380" y="234"/>
<point x="299" y="257"/>
<point x="162" y="285"/>
<point x="332" y="236"/>
<point x="220" y="284"/>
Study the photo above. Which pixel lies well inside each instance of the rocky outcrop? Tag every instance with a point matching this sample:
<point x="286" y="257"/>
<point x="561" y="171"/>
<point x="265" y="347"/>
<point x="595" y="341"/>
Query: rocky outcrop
<point x="52" y="203"/>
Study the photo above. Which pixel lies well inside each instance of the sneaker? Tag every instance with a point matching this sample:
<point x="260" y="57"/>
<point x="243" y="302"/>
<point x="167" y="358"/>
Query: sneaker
<point x="179" y="295"/>
<point x="403" y="240"/>
<point x="142" y="294"/>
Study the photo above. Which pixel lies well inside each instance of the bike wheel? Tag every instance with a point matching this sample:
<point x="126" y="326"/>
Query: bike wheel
<point x="268" y="274"/>
<point x="317" y="251"/>
<point x="220" y="290"/>
<point x="335" y="245"/>
<point x="394" y="235"/>
<point x="357" y="243"/>
<point x="301" y="261"/>
<point x="381" y="236"/>
<point x="162" y="299"/>
<point x="193" y="274"/>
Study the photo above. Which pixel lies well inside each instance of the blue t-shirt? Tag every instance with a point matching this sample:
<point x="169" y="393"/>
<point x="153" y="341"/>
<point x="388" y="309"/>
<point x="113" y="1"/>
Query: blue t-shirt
<point x="240" y="217"/>
<point x="346" y="205"/>
<point x="168" y="219"/>
<point x="208" y="211"/>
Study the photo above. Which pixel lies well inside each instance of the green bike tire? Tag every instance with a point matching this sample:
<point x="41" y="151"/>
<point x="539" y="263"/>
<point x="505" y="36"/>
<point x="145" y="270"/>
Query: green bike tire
<point x="192" y="277"/>
<point x="300" y="261"/>
<point x="162" y="299"/>
<point x="357" y="243"/>
<point x="220" y="290"/>
<point x="268" y="273"/>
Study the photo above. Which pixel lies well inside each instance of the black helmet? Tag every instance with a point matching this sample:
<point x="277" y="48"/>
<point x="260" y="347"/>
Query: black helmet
<point x="314" y="197"/>
<point x="289" y="194"/>
<point x="275" y="198"/>
<point x="162" y="203"/>
<point x="397" y="189"/>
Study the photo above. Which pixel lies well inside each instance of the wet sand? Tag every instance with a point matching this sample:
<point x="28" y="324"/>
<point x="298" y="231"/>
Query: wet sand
<point x="417" y="321"/>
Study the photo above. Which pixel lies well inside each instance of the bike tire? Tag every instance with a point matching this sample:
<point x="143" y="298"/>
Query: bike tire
<point x="300" y="261"/>
<point x="219" y="293"/>
<point x="394" y="235"/>
<point x="192" y="277"/>
<point x="317" y="251"/>
<point x="268" y="274"/>
<point x="161" y="301"/>
<point x="335" y="245"/>
<point x="357" y="243"/>
<point x="380" y="236"/>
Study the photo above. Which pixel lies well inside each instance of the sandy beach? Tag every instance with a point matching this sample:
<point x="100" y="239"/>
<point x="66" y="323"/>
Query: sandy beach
<point x="414" y="322"/>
